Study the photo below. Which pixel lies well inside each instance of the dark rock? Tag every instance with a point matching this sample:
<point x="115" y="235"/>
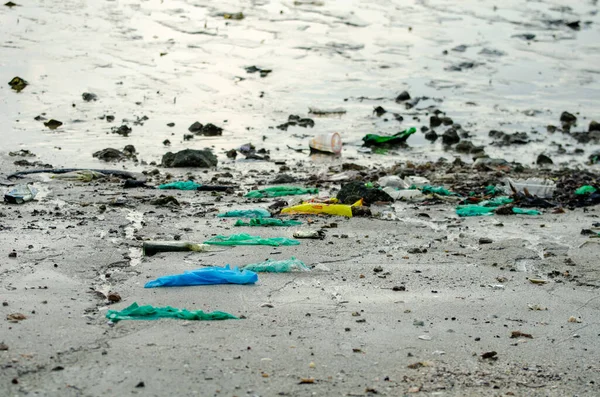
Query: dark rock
<point x="284" y="178"/>
<point x="503" y="139"/>
<point x="450" y="137"/>
<point x="53" y="124"/>
<point x="525" y="36"/>
<point x="164" y="201"/>
<point x="379" y="111"/>
<point x="464" y="147"/>
<point x="196" y="127"/>
<point x="595" y="157"/>
<point x="110" y="118"/>
<point x="122" y="130"/>
<point x="40" y="118"/>
<point x="435" y="121"/>
<point x="398" y="117"/>
<point x="262" y="72"/>
<point x="211" y="130"/>
<point x="231" y="154"/>
<point x="18" y="84"/>
<point x="88" y="96"/>
<point x="542" y="159"/>
<point x="167" y="142"/>
<point x="294" y="120"/>
<point x="412" y="103"/>
<point x="404" y="96"/>
<point x="567" y="118"/>
<point x="551" y="128"/>
<point x="573" y="25"/>
<point x="353" y="167"/>
<point x="351" y="192"/>
<point x="114" y="297"/>
<point x="109" y="154"/>
<point x="170" y="124"/>
<point x="447" y="121"/>
<point x="141" y="384"/>
<point x="431" y="136"/>
<point x="485" y="240"/>
<point x="190" y="158"/>
<point x="594" y="126"/>
<point x="461" y="66"/>
<point x="188" y="137"/>
<point x="129" y="150"/>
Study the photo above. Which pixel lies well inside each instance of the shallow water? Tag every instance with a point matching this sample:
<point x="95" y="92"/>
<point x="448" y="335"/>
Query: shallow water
<point x="181" y="61"/>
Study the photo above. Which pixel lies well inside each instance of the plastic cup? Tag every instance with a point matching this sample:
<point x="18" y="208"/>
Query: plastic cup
<point x="330" y="143"/>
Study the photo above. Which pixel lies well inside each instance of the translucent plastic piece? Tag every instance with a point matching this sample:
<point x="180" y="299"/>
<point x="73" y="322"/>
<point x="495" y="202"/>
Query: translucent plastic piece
<point x="474" y="210"/>
<point x="205" y="276"/>
<point x="20" y="194"/>
<point x="279" y="191"/>
<point x="427" y="189"/>
<point x="330" y="143"/>
<point x="80" y="175"/>
<point x="147" y="312"/>
<point x="283" y="266"/>
<point x="535" y="186"/>
<point x="180" y="185"/>
<point x="246" y="239"/>
<point x="586" y="189"/>
<point x="401" y="137"/>
<point x="496" y="202"/>
<point x="405" y="194"/>
<point x="267" y="222"/>
<point x="253" y="213"/>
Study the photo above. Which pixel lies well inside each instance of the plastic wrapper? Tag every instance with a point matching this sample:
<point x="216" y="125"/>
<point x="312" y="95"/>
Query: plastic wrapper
<point x="205" y="276"/>
<point x="180" y="185"/>
<point x="246" y="239"/>
<point x="148" y="312"/>
<point x="253" y="213"/>
<point x="282" y="266"/>
<point x="267" y="222"/>
<point x="279" y="191"/>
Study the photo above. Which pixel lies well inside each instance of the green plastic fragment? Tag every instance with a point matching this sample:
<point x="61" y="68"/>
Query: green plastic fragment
<point x="282" y="266"/>
<point x="181" y="185"/>
<point x="375" y="140"/>
<point x="585" y="189"/>
<point x="428" y="189"/>
<point x="491" y="190"/>
<point x="522" y="211"/>
<point x="474" y="210"/>
<point x="246" y="239"/>
<point x="279" y="191"/>
<point x="253" y="213"/>
<point x="148" y="312"/>
<point x="267" y="222"/>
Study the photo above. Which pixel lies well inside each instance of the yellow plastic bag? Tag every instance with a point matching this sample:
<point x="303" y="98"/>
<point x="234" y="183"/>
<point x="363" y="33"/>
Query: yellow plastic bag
<point x="318" y="208"/>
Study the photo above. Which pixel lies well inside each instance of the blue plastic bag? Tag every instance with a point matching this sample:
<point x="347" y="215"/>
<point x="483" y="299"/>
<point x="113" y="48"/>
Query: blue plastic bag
<point x="180" y="185"/>
<point x="205" y="276"/>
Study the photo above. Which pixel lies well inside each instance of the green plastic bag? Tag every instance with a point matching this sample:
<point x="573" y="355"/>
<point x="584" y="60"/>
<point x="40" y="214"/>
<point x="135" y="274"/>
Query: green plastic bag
<point x="283" y="266"/>
<point x="181" y="185"/>
<point x="522" y="211"/>
<point x="428" y="189"/>
<point x="586" y="189"/>
<point x="491" y="190"/>
<point x="496" y="202"/>
<point x="375" y="140"/>
<point x="267" y="222"/>
<point x="474" y="210"/>
<point x="254" y="213"/>
<point x="148" y="312"/>
<point x="246" y="239"/>
<point x="279" y="191"/>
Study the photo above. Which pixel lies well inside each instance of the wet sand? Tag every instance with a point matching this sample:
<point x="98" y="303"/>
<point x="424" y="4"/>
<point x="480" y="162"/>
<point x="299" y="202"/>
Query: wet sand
<point x="415" y="304"/>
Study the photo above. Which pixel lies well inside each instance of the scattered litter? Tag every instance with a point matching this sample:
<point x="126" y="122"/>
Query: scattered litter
<point x="180" y="185"/>
<point x="318" y="208"/>
<point x="151" y="248"/>
<point x="246" y="239"/>
<point x="206" y="276"/>
<point x="253" y="213"/>
<point x="310" y="234"/>
<point x="267" y="222"/>
<point x="327" y="143"/>
<point x="148" y="312"/>
<point x="586" y="189"/>
<point x="396" y="139"/>
<point x="281" y="266"/>
<point x="537" y="281"/>
<point x="573" y="319"/>
<point x="20" y="194"/>
<point x="279" y="191"/>
<point x="425" y="337"/>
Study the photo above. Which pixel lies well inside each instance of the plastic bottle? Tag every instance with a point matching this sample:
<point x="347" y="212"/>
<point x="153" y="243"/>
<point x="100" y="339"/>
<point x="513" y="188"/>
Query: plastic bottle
<point x="329" y="143"/>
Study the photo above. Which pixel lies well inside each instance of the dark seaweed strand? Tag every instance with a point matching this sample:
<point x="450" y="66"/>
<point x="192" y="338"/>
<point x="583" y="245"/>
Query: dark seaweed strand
<point x="119" y="173"/>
